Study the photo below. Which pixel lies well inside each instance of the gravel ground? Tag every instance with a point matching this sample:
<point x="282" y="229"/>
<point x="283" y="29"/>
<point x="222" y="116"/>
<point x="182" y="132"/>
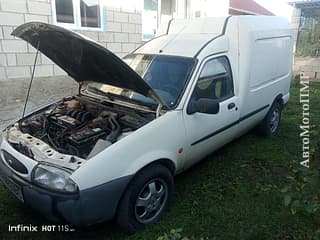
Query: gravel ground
<point x="43" y="91"/>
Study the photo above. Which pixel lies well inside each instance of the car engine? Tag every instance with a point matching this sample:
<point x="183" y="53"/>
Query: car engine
<point x="80" y="126"/>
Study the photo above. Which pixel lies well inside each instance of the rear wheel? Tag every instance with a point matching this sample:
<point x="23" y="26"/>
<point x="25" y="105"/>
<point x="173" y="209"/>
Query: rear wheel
<point x="271" y="122"/>
<point x="146" y="198"/>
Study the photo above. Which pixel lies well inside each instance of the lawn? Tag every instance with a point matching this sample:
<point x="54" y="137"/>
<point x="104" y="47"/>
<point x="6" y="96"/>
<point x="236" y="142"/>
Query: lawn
<point x="232" y="194"/>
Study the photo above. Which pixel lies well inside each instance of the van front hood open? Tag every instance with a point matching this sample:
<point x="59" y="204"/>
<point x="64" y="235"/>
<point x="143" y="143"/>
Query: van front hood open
<point x="82" y="58"/>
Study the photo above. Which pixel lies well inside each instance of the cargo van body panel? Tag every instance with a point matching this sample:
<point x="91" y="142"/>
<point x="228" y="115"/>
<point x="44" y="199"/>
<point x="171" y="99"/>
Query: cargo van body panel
<point x="140" y="120"/>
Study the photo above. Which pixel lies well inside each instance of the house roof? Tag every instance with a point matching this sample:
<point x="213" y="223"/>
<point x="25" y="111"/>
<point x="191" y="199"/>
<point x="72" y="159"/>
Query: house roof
<point x="249" y="6"/>
<point x="305" y="4"/>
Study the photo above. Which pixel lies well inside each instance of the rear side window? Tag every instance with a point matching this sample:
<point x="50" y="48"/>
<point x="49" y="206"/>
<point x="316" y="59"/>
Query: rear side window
<point x="215" y="81"/>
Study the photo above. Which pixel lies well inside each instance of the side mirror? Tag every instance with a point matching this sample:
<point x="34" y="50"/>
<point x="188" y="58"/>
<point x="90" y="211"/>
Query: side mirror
<point x="204" y="105"/>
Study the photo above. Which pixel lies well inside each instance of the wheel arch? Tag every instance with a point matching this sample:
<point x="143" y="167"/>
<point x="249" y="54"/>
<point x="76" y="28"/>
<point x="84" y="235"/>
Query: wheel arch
<point x="261" y="127"/>
<point x="169" y="164"/>
<point x="279" y="99"/>
<point x="163" y="161"/>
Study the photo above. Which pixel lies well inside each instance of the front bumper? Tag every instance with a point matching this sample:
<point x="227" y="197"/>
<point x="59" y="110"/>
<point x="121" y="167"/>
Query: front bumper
<point x="89" y="206"/>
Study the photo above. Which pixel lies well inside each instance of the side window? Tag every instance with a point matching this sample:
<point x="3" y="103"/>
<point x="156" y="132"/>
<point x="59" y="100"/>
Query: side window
<point x="215" y="81"/>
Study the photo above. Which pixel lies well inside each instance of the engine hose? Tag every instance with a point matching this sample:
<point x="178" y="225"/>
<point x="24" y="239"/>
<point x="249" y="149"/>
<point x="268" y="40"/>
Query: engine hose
<point x="116" y="130"/>
<point x="85" y="116"/>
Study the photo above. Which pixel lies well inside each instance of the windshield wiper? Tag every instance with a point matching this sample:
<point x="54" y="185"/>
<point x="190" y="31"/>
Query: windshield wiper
<point x="112" y="97"/>
<point x="98" y="91"/>
<point x="132" y="100"/>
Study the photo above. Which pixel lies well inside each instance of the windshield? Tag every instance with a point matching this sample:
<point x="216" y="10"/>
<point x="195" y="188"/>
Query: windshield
<point x="167" y="76"/>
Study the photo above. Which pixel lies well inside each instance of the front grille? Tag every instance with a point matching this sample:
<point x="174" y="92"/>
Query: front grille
<point x="14" y="163"/>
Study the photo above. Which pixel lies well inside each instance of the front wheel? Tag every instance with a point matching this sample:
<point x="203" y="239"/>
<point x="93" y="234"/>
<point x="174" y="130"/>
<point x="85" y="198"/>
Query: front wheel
<point x="271" y="122"/>
<point x="146" y="198"/>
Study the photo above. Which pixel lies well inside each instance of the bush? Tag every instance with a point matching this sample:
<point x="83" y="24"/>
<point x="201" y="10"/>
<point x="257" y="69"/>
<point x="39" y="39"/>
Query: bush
<point x="303" y="192"/>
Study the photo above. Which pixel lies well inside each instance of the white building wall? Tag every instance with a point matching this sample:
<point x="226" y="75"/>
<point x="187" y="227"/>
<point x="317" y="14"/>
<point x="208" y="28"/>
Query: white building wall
<point x="207" y="8"/>
<point x="123" y="34"/>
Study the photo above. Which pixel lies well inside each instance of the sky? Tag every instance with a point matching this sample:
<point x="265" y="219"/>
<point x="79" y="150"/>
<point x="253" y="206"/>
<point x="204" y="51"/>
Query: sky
<point x="278" y="7"/>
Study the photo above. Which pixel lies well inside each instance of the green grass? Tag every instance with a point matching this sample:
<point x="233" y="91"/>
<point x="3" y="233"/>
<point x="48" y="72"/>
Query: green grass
<point x="232" y="194"/>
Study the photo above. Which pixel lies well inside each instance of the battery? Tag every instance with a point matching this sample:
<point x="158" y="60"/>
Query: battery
<point x="86" y="135"/>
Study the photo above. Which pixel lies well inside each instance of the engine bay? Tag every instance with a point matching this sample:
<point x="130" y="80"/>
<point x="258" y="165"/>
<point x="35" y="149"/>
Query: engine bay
<point x="81" y="126"/>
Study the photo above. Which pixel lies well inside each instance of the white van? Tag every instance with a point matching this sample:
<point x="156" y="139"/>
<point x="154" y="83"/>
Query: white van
<point x="111" y="151"/>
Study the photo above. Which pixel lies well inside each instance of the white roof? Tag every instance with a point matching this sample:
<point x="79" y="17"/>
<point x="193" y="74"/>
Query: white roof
<point x="187" y="37"/>
<point x="184" y="37"/>
<point x="193" y="26"/>
<point x="186" y="45"/>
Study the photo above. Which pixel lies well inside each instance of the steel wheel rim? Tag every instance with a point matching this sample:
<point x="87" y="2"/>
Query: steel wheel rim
<point x="275" y="119"/>
<point x="151" y="200"/>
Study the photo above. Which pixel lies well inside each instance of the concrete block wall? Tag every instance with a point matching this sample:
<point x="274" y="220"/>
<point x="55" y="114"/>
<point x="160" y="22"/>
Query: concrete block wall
<point x="310" y="66"/>
<point x="123" y="34"/>
<point x="16" y="56"/>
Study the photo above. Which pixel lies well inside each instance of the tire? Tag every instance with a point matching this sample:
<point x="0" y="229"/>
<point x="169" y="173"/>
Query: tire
<point x="270" y="124"/>
<point x="146" y="199"/>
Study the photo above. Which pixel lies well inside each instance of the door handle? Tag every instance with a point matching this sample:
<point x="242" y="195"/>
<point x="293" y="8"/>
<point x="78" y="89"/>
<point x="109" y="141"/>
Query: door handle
<point x="231" y="105"/>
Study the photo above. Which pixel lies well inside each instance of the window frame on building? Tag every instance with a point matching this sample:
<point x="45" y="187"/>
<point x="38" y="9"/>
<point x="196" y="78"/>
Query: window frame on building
<point x="159" y="15"/>
<point x="77" y="17"/>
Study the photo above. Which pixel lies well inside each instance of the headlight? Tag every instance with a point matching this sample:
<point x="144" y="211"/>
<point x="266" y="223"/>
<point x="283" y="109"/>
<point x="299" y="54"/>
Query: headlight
<point x="54" y="178"/>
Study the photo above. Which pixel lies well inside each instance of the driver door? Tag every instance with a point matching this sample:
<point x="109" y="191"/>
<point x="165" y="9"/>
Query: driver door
<point x="207" y="132"/>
